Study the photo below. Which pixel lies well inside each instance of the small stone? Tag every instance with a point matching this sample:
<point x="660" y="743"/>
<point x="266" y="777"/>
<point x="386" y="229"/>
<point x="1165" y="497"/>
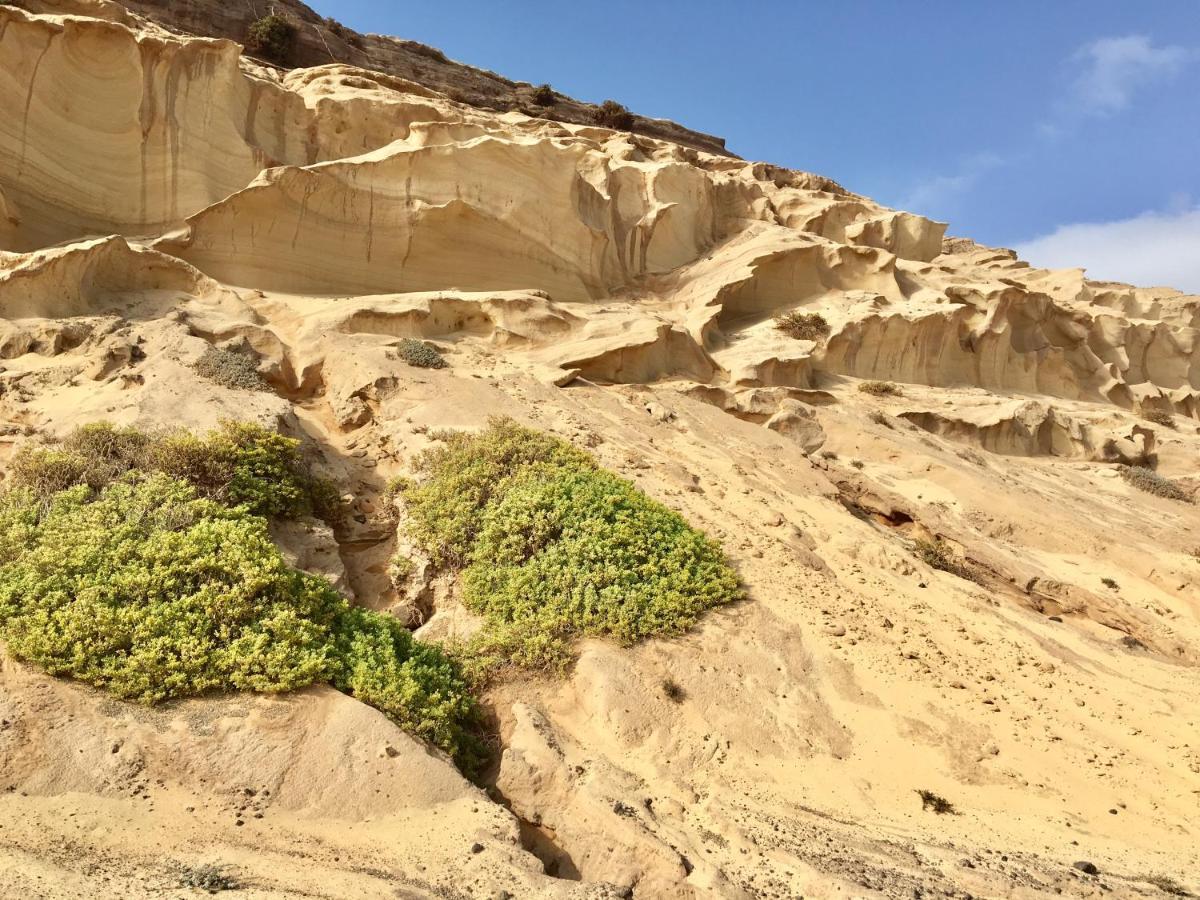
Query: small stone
<point x="1086" y="867"/>
<point x="477" y="848"/>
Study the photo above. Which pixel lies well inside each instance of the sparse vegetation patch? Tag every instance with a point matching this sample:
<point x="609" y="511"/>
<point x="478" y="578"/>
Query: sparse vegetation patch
<point x="803" y="326"/>
<point x="1159" y="417"/>
<point x="555" y="547"/>
<point x="239" y="464"/>
<point x="1152" y="483"/>
<point x="213" y="879"/>
<point x="940" y="805"/>
<point x="937" y="555"/>
<point x="880" y="389"/>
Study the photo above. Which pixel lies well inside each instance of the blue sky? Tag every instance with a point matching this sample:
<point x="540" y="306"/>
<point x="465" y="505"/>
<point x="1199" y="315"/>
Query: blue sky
<point x="1066" y="128"/>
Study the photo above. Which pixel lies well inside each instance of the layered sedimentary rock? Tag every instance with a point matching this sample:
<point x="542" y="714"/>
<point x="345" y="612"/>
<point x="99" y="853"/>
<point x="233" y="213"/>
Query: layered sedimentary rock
<point x="161" y="195"/>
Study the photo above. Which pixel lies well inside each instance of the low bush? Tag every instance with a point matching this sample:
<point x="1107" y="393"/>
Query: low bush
<point x="937" y="555"/>
<point x="543" y="95"/>
<point x="612" y="114"/>
<point x="419" y="354"/>
<point x="1159" y="417"/>
<point x="213" y="879"/>
<point x="803" y="326"/>
<point x="238" y="463"/>
<point x="151" y="592"/>
<point x="880" y="389"/>
<point x="229" y="369"/>
<point x="272" y="37"/>
<point x="1152" y="483"/>
<point x="555" y="547"/>
<point x="940" y="805"/>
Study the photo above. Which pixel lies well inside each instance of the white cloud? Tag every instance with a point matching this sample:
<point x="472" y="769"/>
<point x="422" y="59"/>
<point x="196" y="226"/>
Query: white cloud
<point x="1154" y="249"/>
<point x="934" y="196"/>
<point x="1115" y="68"/>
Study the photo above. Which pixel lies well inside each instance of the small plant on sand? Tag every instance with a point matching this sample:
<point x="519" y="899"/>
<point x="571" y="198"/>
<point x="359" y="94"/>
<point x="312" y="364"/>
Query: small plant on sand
<point x="612" y="114"/>
<point x="880" y="389"/>
<point x="420" y="354"/>
<point x="937" y="555"/>
<point x="213" y="879"/>
<point x="230" y="369"/>
<point x="1159" y="417"/>
<point x="1110" y="584"/>
<point x="1152" y="483"/>
<point x="880" y="418"/>
<point x="802" y="326"/>
<point x="672" y="690"/>
<point x="543" y="95"/>
<point x="273" y="38"/>
<point x="554" y="547"/>
<point x="940" y="805"/>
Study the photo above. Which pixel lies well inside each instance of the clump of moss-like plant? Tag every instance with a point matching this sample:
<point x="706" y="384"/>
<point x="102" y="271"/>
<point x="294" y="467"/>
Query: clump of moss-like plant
<point x="419" y="354"/>
<point x="230" y="369"/>
<point x="554" y="547"/>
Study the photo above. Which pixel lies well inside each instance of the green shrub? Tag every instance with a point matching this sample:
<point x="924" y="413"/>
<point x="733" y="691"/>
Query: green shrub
<point x="880" y="389"/>
<point x="543" y="95"/>
<point x="803" y="326"/>
<point x="237" y="463"/>
<point x="612" y="114"/>
<point x="419" y="354"/>
<point x="272" y="37"/>
<point x="1152" y="483"/>
<point x="465" y="474"/>
<point x="555" y="547"/>
<point x="150" y="591"/>
<point x="232" y="370"/>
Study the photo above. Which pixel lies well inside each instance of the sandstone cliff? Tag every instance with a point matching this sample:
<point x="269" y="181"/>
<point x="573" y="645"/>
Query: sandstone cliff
<point x="161" y="194"/>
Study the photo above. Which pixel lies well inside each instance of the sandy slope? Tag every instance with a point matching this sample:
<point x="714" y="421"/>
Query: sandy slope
<point x="620" y="292"/>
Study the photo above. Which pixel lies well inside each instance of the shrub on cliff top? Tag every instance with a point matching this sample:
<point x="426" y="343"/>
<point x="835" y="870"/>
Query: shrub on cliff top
<point x="612" y="114"/>
<point x="272" y="37"/>
<point x="555" y="547"/>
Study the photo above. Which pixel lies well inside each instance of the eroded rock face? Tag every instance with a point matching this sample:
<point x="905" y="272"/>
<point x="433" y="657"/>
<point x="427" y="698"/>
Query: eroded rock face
<point x="161" y="195"/>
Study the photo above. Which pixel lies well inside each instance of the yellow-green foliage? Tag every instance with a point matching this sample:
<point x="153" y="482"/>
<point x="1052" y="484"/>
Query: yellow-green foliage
<point x="147" y="589"/>
<point x="556" y="547"/>
<point x="238" y="463"/>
